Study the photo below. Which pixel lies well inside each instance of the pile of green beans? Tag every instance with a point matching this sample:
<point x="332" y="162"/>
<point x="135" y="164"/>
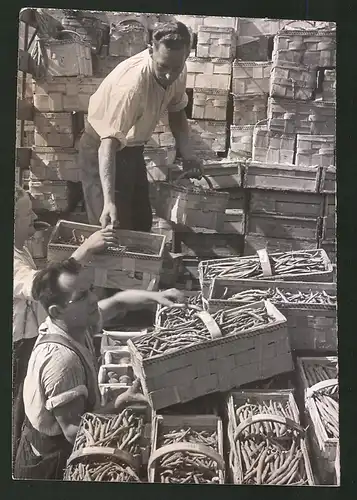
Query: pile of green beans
<point x="124" y="432"/>
<point x="270" y="452"/>
<point x="194" y="331"/>
<point x="187" y="467"/>
<point x="286" y="264"/>
<point x="277" y="296"/>
<point x="175" y="316"/>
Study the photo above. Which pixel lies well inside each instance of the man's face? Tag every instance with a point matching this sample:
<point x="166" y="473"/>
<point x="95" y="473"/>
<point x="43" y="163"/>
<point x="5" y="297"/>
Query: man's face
<point x="24" y="218"/>
<point x="168" y="63"/>
<point x="81" y="306"/>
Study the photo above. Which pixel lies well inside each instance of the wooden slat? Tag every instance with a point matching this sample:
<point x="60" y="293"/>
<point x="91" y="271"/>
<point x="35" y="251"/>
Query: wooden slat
<point x="23" y="157"/>
<point x="24" y="110"/>
<point x="25" y="62"/>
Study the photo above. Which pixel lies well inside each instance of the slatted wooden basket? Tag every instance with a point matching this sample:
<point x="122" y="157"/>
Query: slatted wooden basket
<point x="324" y="447"/>
<point x="292" y="81"/>
<point x="311" y="325"/>
<point x="218" y="364"/>
<point x="272" y="147"/>
<point x="276" y="401"/>
<point x="164" y="424"/>
<point x="134" y="264"/>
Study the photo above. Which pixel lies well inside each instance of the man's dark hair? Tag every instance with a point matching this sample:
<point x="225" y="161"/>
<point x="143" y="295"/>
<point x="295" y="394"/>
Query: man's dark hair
<point x="174" y="35"/>
<point x="45" y="287"/>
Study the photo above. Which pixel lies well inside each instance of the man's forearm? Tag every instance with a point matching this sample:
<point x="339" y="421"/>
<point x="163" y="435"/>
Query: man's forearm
<point x="179" y="128"/>
<point x="125" y="301"/>
<point x="106" y="157"/>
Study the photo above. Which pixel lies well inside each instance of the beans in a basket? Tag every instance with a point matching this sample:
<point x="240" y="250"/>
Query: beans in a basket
<point x="277" y="296"/>
<point x="286" y="264"/>
<point x="187" y="467"/>
<point x="123" y="431"/>
<point x="270" y="452"/>
<point x="194" y="331"/>
<point x="175" y="316"/>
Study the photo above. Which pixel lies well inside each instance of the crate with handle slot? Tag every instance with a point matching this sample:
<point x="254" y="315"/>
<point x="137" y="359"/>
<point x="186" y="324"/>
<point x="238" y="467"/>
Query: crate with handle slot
<point x="311" y="265"/>
<point x="208" y="73"/>
<point x="249" y="109"/>
<point x="282" y="226"/>
<point x="133" y="264"/>
<point x="189" y="205"/>
<point x="315" y="150"/>
<point x="187" y="437"/>
<point x="272" y="147"/>
<point x="250" y="77"/>
<point x="209" y="104"/>
<point x="54" y="164"/>
<point x="309" y="307"/>
<point x="254" y="416"/>
<point x="318" y="376"/>
<point x="292" y="81"/>
<point x="216" y="42"/>
<point x="217" y="362"/>
<point x="255" y="242"/>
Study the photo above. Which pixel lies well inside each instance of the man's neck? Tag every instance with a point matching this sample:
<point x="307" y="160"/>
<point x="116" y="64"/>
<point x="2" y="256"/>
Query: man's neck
<point x="77" y="334"/>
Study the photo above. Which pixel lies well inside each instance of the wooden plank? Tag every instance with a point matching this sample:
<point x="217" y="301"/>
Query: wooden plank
<point x="25" y="62"/>
<point x="24" y="110"/>
<point x="23" y="157"/>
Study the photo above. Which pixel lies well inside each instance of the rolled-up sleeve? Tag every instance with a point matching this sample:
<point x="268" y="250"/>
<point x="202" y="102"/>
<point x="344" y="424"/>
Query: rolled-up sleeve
<point x="113" y="110"/>
<point x="180" y="99"/>
<point x="23" y="277"/>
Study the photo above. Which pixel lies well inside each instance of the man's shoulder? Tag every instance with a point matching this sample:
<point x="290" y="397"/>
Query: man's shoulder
<point x="133" y="70"/>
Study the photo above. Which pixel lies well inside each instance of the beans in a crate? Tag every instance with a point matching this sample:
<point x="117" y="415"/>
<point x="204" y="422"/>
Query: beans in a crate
<point x="271" y="453"/>
<point x="187" y="467"/>
<point x="173" y="316"/>
<point x="277" y="296"/>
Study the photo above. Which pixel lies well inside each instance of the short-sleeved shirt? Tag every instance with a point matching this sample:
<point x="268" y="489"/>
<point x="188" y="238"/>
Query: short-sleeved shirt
<point x="27" y="313"/>
<point x="129" y="102"/>
<point x="55" y="377"/>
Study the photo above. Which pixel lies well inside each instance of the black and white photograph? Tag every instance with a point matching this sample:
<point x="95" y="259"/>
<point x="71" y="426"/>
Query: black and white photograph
<point x="174" y="257"/>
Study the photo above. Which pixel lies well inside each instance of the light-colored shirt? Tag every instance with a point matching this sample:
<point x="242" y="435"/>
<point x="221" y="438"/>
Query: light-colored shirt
<point x="129" y="102"/>
<point x="56" y="376"/>
<point x="27" y="313"/>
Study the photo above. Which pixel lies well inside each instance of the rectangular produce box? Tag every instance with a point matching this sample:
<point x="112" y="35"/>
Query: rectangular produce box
<point x="254" y="242"/>
<point x="209" y="104"/>
<point x="208" y="73"/>
<point x="311" y="326"/>
<point x="215" y="41"/>
<point x="249" y="110"/>
<point x="315" y="150"/>
<point x="54" y="164"/>
<point x="215" y="365"/>
<point x="287" y="204"/>
<point x="54" y="130"/>
<point x="250" y="77"/>
<point x="272" y="147"/>
<point x="283" y="226"/>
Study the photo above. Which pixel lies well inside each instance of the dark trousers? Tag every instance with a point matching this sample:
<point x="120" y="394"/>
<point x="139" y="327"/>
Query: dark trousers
<point x="54" y="453"/>
<point x="22" y="350"/>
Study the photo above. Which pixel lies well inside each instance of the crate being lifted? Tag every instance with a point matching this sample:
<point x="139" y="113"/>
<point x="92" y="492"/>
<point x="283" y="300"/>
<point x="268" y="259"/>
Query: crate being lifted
<point x="133" y="264"/>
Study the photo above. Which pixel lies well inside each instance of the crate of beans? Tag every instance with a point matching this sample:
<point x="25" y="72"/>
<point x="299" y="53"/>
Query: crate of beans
<point x="115" y="339"/>
<point x="187" y="450"/>
<point x="310" y="308"/>
<point x="111" y="448"/>
<point x="267" y="444"/>
<point x="318" y="379"/>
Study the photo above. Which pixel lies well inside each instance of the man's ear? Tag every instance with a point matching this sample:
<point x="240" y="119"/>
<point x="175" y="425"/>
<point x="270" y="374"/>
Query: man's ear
<point x="54" y="311"/>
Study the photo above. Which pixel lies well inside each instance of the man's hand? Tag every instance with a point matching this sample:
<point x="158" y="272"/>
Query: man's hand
<point x="100" y="240"/>
<point x="193" y="166"/>
<point x="169" y="297"/>
<point x="109" y="215"/>
<point x="131" y="396"/>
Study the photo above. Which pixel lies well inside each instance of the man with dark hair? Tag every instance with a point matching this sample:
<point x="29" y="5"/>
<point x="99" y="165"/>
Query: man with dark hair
<point x="61" y="379"/>
<point x="122" y="116"/>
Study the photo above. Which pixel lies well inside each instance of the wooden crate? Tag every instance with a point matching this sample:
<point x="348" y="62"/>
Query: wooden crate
<point x="208" y="137"/>
<point x="238" y="399"/>
<point x="222" y="174"/>
<point x="103" y="63"/>
<point x="283" y="226"/>
<point x="301" y="117"/>
<point x="250" y="77"/>
<point x="54" y="164"/>
<point x="327" y="90"/>
<point x="67" y="57"/>
<point x="272" y="147"/>
<point x="281" y="177"/>
<point x="115" y="340"/>
<point x="117" y="268"/>
<point x="292" y="81"/>
<point x="288" y="204"/>
<point x="208" y="244"/>
<point x="59" y="94"/>
<point x="208" y="73"/>
<point x="199" y="423"/>
<point x="253" y="243"/>
<point x="127" y="40"/>
<point x="158" y="157"/>
<point x="328" y="180"/>
<point x="323" y="447"/>
<point x="314" y="48"/>
<point x="216" y="42"/>
<point x="248" y="110"/>
<point x="253" y="27"/>
<point x="330" y="247"/>
<point x="52" y="196"/>
<point x="215" y="365"/>
<point x="311" y="326"/>
<point x="54" y="130"/>
<point x="237" y="198"/>
<point x="315" y="150"/>
<point x="241" y="140"/>
<point x="209" y="104"/>
<point x="252" y="48"/>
